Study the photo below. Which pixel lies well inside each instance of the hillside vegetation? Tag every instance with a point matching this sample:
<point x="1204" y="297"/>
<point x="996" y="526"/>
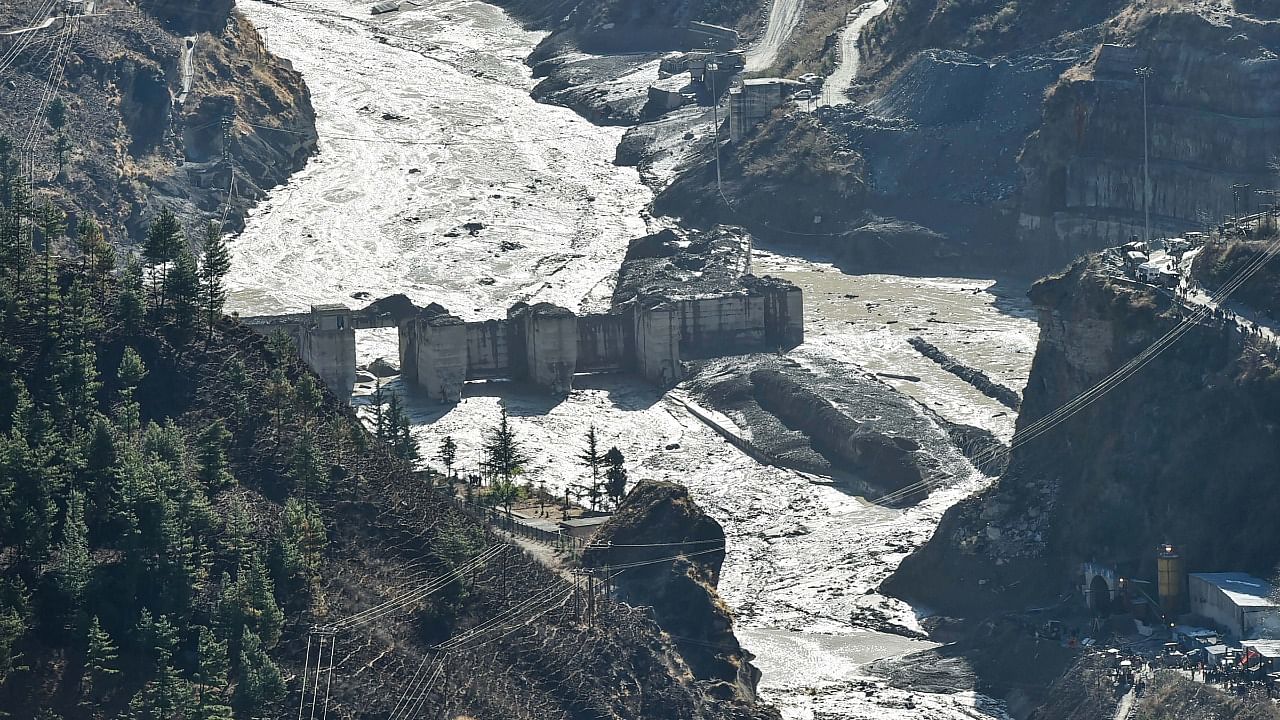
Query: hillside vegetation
<point x="181" y="502"/>
<point x="95" y="106"/>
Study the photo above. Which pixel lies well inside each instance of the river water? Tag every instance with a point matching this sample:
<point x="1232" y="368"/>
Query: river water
<point x="426" y="125"/>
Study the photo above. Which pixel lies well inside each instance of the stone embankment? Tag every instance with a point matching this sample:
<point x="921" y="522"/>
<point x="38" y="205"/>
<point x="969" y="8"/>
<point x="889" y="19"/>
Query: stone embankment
<point x="971" y="375"/>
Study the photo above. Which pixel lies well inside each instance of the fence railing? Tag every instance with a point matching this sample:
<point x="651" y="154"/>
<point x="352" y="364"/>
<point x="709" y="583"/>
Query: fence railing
<point x="521" y="527"/>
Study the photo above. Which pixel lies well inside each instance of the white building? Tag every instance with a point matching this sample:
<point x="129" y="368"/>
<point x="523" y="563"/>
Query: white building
<point x="1242" y="605"/>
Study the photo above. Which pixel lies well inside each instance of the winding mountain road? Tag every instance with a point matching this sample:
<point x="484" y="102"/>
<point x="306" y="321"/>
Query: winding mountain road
<point x="838" y="84"/>
<point x="784" y="16"/>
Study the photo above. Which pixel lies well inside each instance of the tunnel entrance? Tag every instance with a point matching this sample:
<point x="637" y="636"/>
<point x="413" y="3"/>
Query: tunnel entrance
<point x="1100" y="596"/>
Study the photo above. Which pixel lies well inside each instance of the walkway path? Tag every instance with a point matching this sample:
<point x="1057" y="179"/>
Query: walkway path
<point x="833" y="91"/>
<point x="784" y="16"/>
<point x="41" y="26"/>
<point x="1247" y="320"/>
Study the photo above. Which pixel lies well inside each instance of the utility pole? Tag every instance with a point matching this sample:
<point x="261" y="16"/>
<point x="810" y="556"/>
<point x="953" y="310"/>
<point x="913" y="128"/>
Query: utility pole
<point x="1145" y="74"/>
<point x="712" y="68"/>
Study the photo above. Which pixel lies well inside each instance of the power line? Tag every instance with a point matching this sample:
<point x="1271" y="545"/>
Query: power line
<point x="641" y="545"/>
<point x="394" y="604"/>
<point x="26" y="39"/>
<point x="1109" y="383"/>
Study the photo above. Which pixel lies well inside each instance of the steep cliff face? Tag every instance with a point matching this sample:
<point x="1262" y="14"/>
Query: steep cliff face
<point x="1195" y="428"/>
<point x="660" y="522"/>
<point x="793" y="178"/>
<point x="144" y="112"/>
<point x="628" y="25"/>
<point x="1214" y="105"/>
<point x="1008" y="135"/>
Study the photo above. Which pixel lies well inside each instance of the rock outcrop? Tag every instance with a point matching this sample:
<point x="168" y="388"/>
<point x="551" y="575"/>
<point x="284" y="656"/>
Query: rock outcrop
<point x="1009" y="136"/>
<point x="975" y="377"/>
<point x="850" y="427"/>
<point x="136" y="141"/>
<point x="886" y="462"/>
<point x="1194" y="428"/>
<point x="672" y="552"/>
<point x="1214" y="104"/>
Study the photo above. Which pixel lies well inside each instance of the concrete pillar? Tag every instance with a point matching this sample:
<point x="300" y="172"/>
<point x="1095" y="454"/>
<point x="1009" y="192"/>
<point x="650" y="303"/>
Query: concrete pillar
<point x="784" y="317"/>
<point x="407" y="338"/>
<point x="328" y="346"/>
<point x="441" y="354"/>
<point x="657" y="340"/>
<point x="550" y="345"/>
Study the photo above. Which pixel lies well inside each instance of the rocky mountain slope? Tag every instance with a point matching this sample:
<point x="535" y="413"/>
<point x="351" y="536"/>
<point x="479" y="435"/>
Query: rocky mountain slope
<point x="659" y="520"/>
<point x="627" y="25"/>
<point x="1116" y="480"/>
<point x="1008" y="135"/>
<point x="134" y="140"/>
<point x="285" y="516"/>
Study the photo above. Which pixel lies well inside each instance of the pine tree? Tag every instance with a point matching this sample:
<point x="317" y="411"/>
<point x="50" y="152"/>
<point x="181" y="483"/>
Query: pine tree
<point x="98" y="257"/>
<point x="99" y="663"/>
<point x="158" y="637"/>
<point x="250" y="603"/>
<point x="213" y="666"/>
<point x="379" y="417"/>
<point x="131" y="302"/>
<point x="166" y="697"/>
<point x="260" y="683"/>
<point x="131" y="372"/>
<point x="214" y="266"/>
<point x="305" y="531"/>
<point x="211" y="454"/>
<point x="53" y="223"/>
<point x="182" y="287"/>
<point x="56" y="114"/>
<point x="61" y="146"/>
<point x="100" y="456"/>
<point x="504" y="458"/>
<point x="448" y="454"/>
<point x="615" y="475"/>
<point x="308" y="397"/>
<point x="74" y="565"/>
<point x="279" y="395"/>
<point x="162" y="246"/>
<point x="593" y="459"/>
<point x="305" y="466"/>
<point x="281" y="345"/>
<point x="15" y="619"/>
<point x="16" y="201"/>
<point x="399" y="430"/>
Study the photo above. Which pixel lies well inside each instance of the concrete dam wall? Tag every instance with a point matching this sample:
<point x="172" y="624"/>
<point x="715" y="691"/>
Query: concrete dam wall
<point x="547" y="345"/>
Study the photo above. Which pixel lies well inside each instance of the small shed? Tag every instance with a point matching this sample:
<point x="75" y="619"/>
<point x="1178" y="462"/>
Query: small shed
<point x="384" y="7"/>
<point x="1189" y="636"/>
<point x="583" y="527"/>
<point x="1268" y="650"/>
<point x="1215" y="656"/>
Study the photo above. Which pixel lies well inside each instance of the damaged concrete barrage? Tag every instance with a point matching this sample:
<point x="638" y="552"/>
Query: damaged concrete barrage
<point x="546" y="345"/>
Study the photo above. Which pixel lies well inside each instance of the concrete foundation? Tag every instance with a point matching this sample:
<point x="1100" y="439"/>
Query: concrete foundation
<point x="546" y="345"/>
<point x="549" y="340"/>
